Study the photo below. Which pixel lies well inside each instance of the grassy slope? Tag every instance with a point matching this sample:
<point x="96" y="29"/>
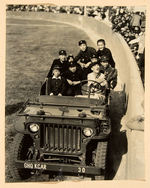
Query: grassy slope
<point x="30" y="52"/>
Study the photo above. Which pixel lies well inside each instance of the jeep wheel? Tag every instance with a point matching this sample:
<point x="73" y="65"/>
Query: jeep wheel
<point x="100" y="158"/>
<point x="18" y="151"/>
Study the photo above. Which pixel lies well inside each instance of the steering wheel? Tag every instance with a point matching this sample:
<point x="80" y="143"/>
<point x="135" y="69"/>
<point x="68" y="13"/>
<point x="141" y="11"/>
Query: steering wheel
<point x="94" y="87"/>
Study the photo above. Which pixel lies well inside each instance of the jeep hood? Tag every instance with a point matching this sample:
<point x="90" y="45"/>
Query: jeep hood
<point x="65" y="106"/>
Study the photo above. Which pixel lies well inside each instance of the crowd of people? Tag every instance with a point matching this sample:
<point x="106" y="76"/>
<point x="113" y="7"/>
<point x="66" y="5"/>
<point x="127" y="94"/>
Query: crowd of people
<point x="68" y="74"/>
<point x="130" y="24"/>
<point x="47" y="8"/>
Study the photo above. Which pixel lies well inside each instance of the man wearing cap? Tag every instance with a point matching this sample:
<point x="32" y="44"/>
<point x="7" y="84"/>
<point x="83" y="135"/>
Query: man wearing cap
<point x="109" y="72"/>
<point x="70" y="60"/>
<point x="61" y="62"/>
<point x="56" y="83"/>
<point x="84" y="56"/>
<point x="93" y="59"/>
<point x="74" y="77"/>
<point x="103" y="51"/>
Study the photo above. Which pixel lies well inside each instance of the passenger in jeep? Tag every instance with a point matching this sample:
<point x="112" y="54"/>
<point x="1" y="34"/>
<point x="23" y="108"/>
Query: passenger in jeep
<point x="61" y="62"/>
<point x="103" y="51"/>
<point x="109" y="72"/>
<point x="84" y="57"/>
<point x="74" y="77"/>
<point x="70" y="60"/>
<point x="56" y="83"/>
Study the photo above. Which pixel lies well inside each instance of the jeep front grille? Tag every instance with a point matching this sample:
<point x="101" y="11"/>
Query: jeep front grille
<point x="60" y="138"/>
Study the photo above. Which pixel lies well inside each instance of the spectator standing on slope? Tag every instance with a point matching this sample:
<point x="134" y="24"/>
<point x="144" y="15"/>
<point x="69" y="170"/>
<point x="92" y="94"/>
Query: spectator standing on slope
<point x="136" y="21"/>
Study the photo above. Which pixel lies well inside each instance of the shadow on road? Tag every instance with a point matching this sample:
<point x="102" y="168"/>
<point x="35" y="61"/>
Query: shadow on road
<point x="117" y="145"/>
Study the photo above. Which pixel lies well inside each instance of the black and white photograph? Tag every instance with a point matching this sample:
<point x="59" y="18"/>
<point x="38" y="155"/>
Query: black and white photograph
<point x="74" y="92"/>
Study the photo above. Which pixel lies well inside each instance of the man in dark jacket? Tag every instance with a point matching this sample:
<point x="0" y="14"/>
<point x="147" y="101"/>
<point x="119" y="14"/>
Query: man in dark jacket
<point x="70" y="60"/>
<point x="60" y="62"/>
<point x="84" y="56"/>
<point x="109" y="72"/>
<point x="103" y="51"/>
<point x="74" y="77"/>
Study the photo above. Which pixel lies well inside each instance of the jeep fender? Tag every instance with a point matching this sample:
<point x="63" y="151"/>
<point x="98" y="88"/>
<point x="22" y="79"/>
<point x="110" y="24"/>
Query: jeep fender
<point x="19" y="126"/>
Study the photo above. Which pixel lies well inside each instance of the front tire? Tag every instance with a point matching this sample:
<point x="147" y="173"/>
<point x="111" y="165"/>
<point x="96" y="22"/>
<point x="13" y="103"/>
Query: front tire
<point x="100" y="158"/>
<point x="18" y="151"/>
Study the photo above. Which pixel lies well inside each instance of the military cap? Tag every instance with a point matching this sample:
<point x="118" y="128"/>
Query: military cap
<point x="56" y="67"/>
<point x="93" y="56"/>
<point x="62" y="52"/>
<point x="94" y="63"/>
<point x="104" y="59"/>
<point x="72" y="64"/>
<point x="82" y="42"/>
<point x="70" y="55"/>
<point x="82" y="60"/>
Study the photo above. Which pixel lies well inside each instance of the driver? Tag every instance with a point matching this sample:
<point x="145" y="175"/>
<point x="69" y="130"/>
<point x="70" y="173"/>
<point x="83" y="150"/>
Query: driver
<point x="96" y="81"/>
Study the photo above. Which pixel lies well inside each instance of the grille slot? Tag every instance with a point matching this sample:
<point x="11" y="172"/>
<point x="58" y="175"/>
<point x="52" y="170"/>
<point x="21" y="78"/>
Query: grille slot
<point x="60" y="138"/>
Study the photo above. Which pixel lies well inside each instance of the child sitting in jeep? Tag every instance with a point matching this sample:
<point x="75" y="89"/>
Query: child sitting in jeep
<point x="56" y="83"/>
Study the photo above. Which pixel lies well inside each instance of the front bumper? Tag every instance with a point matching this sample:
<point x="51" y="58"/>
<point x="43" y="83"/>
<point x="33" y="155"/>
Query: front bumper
<point x="60" y="168"/>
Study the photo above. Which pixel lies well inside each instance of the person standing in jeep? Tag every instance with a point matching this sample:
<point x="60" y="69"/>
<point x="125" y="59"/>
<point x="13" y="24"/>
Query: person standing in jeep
<point x="84" y="57"/>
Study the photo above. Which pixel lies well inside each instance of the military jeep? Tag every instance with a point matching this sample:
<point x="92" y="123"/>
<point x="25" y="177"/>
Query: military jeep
<point x="61" y="135"/>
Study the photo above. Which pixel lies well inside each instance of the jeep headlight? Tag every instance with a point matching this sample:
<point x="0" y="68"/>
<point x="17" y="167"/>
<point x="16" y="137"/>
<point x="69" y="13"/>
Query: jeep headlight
<point x="34" y="127"/>
<point x="87" y="131"/>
